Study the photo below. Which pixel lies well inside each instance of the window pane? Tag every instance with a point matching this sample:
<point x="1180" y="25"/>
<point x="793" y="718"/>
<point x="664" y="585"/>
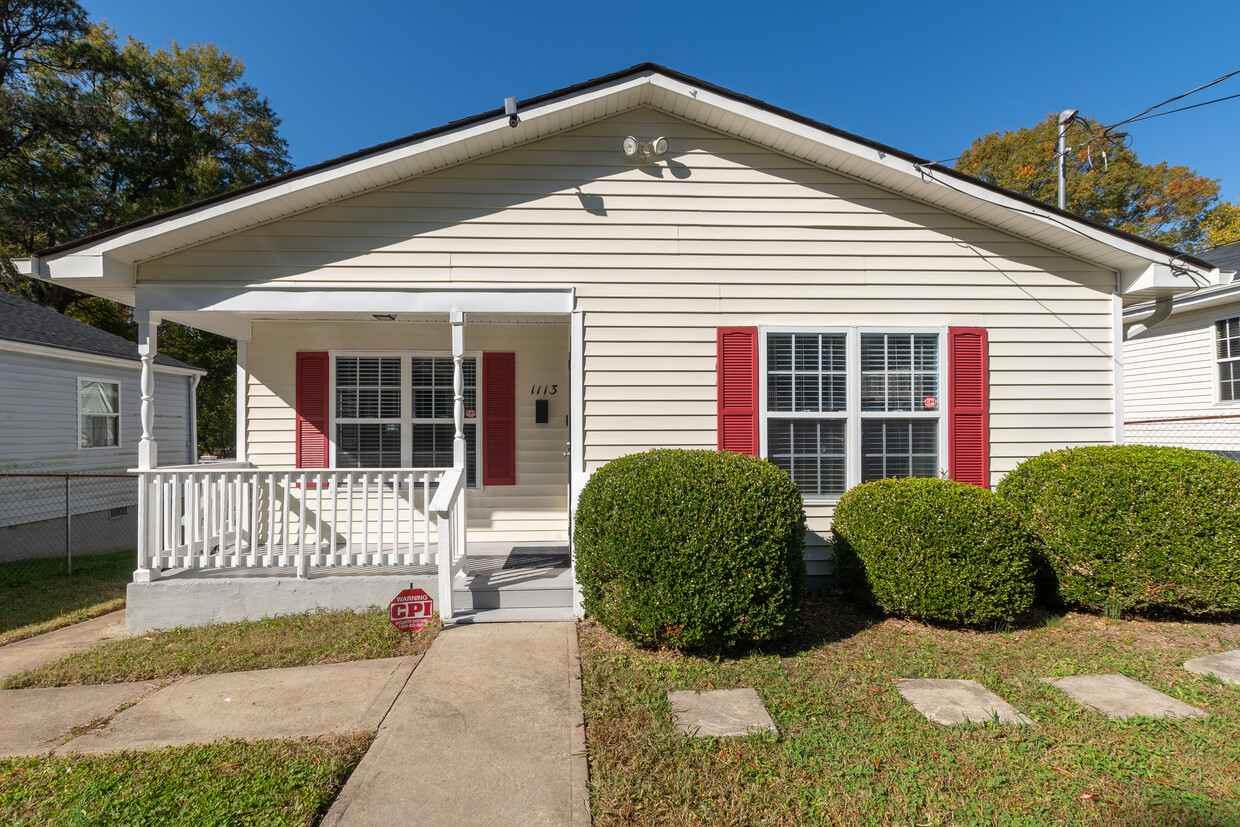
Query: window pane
<point x="431" y="381"/>
<point x="99" y="431"/>
<point x="432" y="447"/>
<point x="1229" y="381"/>
<point x="899" y="448"/>
<point x="899" y="371"/>
<point x="99" y="397"/>
<point x="368" y="445"/>
<point x="368" y="387"/>
<point x="806" y="372"/>
<point x="1228" y="331"/>
<point x="811" y="451"/>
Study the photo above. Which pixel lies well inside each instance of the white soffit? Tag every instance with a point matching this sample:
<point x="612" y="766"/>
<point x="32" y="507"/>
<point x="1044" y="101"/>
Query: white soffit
<point x="676" y="96"/>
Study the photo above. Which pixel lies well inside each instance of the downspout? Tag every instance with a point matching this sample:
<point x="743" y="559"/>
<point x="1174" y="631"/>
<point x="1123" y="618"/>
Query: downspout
<point x="194" y="379"/>
<point x="1162" y="310"/>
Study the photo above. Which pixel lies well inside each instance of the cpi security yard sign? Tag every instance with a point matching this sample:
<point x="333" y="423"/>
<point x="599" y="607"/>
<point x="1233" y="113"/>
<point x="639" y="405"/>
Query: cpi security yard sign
<point x="411" y="610"/>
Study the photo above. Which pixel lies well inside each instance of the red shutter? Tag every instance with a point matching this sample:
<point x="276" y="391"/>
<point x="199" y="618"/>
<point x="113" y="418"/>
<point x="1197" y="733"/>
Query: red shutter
<point x="737" y="391"/>
<point x="968" y="406"/>
<point x="499" y="419"/>
<point x="312" y="410"/>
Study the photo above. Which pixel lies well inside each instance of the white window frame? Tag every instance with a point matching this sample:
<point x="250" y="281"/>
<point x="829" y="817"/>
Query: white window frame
<point x="407" y="420"/>
<point x="1216" y="362"/>
<point x="80" y="413"/>
<point x="853" y="415"/>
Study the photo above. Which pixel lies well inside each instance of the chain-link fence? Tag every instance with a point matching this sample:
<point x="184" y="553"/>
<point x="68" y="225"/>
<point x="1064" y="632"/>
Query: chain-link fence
<point x="64" y="516"/>
<point x="1216" y="434"/>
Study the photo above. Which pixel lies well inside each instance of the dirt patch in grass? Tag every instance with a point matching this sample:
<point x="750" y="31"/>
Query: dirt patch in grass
<point x="294" y="640"/>
<point x="228" y="782"/>
<point x="852" y="751"/>
<point x="37" y="596"/>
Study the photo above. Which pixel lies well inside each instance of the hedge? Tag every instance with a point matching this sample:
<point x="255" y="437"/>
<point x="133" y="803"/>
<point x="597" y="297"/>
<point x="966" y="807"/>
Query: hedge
<point x="933" y="550"/>
<point x="1135" y="526"/>
<point x="698" y="550"/>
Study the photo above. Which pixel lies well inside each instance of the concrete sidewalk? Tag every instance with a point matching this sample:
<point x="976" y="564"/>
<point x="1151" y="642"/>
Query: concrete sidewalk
<point x="488" y="731"/>
<point x="36" y="651"/>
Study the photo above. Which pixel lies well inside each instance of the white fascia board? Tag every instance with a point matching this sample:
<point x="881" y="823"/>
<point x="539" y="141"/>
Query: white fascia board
<point x="1228" y="293"/>
<point x="290" y="301"/>
<point x="234" y="327"/>
<point x="498" y="127"/>
<point x="23" y="266"/>
<point x="922" y="183"/>
<point x="92" y="358"/>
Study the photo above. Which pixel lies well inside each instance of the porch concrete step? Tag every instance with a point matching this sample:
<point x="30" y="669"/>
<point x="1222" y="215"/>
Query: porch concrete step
<point x="519" y="615"/>
<point x="527" y="597"/>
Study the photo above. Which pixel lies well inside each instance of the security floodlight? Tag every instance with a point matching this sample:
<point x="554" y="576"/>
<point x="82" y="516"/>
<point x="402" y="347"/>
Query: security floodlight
<point x="510" y="109"/>
<point x="659" y="146"/>
<point x="629" y="146"/>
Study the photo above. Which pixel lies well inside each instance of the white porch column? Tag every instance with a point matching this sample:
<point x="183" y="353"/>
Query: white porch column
<point x="457" y="319"/>
<point x="148" y="326"/>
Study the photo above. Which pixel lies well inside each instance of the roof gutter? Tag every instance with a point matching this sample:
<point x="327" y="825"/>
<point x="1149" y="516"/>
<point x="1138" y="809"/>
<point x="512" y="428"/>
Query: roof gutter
<point x="1162" y="311"/>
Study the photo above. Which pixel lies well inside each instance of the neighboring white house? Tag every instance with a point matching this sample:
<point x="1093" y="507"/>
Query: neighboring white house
<point x="643" y="260"/>
<point x="1182" y="379"/>
<point x="69" y="401"/>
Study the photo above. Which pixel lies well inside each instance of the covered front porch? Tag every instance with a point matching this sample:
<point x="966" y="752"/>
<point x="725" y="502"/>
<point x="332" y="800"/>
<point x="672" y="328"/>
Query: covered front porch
<point x="318" y="503"/>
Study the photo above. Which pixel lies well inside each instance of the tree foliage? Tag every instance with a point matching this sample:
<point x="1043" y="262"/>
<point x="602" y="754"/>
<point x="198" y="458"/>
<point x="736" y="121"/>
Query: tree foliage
<point x="95" y="134"/>
<point x="1106" y="182"/>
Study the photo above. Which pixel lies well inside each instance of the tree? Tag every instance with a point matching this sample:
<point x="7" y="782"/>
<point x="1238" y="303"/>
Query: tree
<point x="1106" y="182"/>
<point x="94" y="134"/>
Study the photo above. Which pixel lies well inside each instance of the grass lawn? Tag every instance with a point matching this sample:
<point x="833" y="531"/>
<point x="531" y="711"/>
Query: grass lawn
<point x="852" y="751"/>
<point x="228" y="782"/>
<point x="294" y="640"/>
<point x="36" y="596"/>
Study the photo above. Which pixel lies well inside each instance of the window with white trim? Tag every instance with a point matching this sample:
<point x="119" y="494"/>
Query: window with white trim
<point x="99" y="413"/>
<point x="1227" y="335"/>
<point x="841" y="407"/>
<point x="396" y="411"/>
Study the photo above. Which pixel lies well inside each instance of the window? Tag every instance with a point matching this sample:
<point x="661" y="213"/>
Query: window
<point x="99" y="413"/>
<point x="394" y="411"/>
<point x="847" y="406"/>
<point x="1227" y="334"/>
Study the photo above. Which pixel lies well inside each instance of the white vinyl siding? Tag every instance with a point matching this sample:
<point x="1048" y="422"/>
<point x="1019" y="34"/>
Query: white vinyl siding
<point x="720" y="233"/>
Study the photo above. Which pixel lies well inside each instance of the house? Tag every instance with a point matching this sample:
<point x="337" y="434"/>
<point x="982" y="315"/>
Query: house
<point x="441" y="337"/>
<point x="69" y="399"/>
<point x="1182" y="365"/>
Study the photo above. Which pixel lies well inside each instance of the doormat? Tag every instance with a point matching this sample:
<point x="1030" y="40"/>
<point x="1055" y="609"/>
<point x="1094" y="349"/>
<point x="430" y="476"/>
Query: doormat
<point x="537" y="557"/>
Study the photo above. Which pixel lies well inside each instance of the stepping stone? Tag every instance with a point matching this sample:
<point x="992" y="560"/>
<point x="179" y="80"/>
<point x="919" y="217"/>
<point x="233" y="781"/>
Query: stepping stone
<point x="1120" y="697"/>
<point x="958" y="702"/>
<point x="1224" y="666"/>
<point x="720" y="713"/>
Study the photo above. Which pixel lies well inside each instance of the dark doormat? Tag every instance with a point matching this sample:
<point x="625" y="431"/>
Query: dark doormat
<point x="537" y="557"/>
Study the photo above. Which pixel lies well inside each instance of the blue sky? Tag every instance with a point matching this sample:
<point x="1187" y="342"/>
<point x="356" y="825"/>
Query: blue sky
<point x="926" y="78"/>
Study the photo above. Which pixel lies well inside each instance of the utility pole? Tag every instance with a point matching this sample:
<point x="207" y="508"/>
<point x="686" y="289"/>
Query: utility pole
<point x="1065" y="117"/>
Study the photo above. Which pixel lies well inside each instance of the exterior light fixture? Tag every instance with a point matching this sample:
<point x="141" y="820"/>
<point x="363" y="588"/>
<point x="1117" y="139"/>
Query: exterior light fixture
<point x="510" y="109"/>
<point x="384" y="317"/>
<point x="644" y="150"/>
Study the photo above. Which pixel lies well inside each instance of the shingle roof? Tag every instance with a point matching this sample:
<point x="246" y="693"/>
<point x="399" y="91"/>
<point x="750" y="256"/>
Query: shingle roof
<point x="32" y="324"/>
<point x="1226" y="258"/>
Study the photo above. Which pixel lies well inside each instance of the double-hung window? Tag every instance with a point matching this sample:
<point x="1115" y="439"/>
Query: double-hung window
<point x="1227" y="337"/>
<point x="99" y="413"/>
<point x="852" y="405"/>
<point x="396" y="410"/>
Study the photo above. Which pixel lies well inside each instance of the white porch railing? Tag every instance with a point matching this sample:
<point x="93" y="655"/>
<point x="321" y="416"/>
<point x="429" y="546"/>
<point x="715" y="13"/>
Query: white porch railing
<point x="232" y="515"/>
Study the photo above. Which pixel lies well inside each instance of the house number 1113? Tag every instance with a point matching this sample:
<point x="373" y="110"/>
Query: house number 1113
<point x="543" y="390"/>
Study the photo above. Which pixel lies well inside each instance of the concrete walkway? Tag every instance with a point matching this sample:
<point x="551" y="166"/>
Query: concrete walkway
<point x="488" y="731"/>
<point x="36" y="651"/>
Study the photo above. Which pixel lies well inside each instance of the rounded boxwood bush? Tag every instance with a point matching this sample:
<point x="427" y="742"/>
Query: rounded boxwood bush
<point x="699" y="550"/>
<point x="934" y="550"/>
<point x="1135" y="526"/>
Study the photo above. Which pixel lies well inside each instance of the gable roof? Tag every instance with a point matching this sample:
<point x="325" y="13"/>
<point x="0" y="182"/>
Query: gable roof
<point x="28" y="323"/>
<point x="104" y="263"/>
<point x="1225" y="258"/>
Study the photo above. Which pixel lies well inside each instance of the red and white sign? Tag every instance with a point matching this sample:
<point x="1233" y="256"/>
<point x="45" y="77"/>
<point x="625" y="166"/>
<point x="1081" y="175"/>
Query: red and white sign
<point x="411" y="610"/>
<point x="930" y="402"/>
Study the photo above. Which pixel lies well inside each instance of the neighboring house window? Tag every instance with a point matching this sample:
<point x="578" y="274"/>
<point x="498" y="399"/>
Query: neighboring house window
<point x="1228" y="336"/>
<point x="396" y="411"/>
<point x="851" y="406"/>
<point x="99" y="413"/>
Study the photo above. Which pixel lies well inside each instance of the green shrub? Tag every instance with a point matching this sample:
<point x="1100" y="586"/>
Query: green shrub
<point x="934" y="550"/>
<point x="698" y="550"/>
<point x="1135" y="526"/>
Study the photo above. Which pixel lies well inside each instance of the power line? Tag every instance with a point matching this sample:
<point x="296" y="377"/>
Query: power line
<point x="1176" y="98"/>
<point x="1182" y="109"/>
